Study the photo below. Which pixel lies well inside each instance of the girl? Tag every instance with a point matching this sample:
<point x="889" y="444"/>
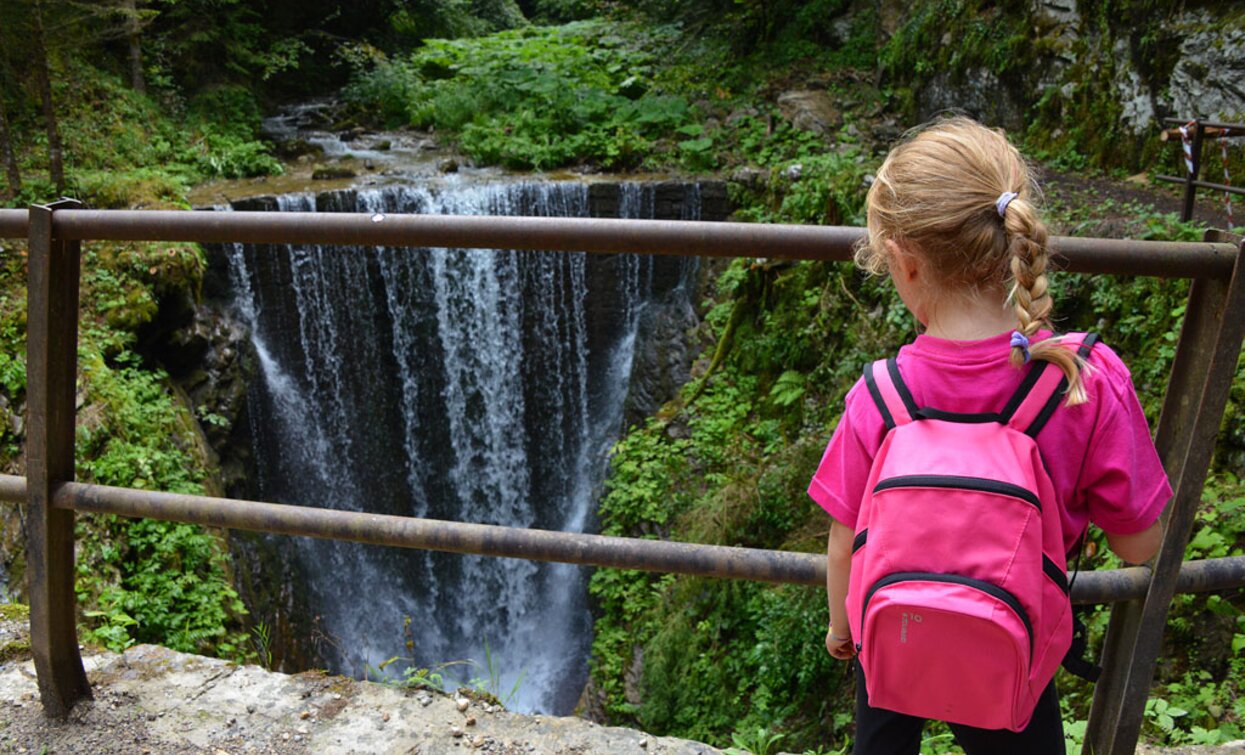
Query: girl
<point x="952" y="218"/>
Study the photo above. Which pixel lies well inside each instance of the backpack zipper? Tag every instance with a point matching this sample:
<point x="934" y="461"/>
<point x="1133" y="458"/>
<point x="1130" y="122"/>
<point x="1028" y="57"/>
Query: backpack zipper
<point x="960" y="483"/>
<point x="990" y="589"/>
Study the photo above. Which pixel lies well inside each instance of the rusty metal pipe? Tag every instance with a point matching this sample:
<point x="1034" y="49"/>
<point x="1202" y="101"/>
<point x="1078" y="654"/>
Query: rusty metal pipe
<point x="1090" y="587"/>
<point x="13" y="224"/>
<point x="451" y="537"/>
<point x="668" y="237"/>
<point x="1203" y="184"/>
<point x="1159" y="259"/>
<point x="12" y="488"/>
<point x="1207" y="124"/>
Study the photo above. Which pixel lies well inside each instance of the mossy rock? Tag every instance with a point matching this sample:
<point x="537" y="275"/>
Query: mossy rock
<point x="17" y="650"/>
<point x="330" y="174"/>
<point x="14" y="612"/>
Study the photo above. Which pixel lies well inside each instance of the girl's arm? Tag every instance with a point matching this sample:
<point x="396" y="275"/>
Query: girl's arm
<point x="838" y="569"/>
<point x="1136" y="548"/>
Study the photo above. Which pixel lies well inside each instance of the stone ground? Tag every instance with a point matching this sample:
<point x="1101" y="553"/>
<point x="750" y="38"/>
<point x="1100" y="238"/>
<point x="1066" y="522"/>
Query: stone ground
<point x="153" y="701"/>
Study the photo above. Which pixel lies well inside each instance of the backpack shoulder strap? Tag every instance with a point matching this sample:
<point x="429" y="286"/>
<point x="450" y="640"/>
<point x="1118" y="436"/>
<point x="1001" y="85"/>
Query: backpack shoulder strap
<point x="1042" y="389"/>
<point x="892" y="397"/>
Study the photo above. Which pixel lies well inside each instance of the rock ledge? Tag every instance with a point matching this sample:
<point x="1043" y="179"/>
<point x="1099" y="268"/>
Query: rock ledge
<point x="154" y="700"/>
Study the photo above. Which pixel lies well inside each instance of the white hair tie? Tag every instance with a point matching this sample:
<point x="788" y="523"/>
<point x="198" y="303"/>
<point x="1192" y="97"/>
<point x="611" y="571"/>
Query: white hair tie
<point x="1003" y="201"/>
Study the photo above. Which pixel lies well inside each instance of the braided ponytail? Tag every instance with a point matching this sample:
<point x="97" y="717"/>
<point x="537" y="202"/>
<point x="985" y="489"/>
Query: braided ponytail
<point x="1029" y="256"/>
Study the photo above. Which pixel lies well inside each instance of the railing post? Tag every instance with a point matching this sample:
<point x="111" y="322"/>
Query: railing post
<point x="1202" y="372"/>
<point x="1190" y="185"/>
<point x="51" y="372"/>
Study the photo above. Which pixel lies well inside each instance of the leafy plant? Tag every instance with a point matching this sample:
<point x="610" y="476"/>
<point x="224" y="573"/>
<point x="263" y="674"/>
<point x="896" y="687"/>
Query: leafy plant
<point x="412" y="676"/>
<point x="491" y="683"/>
<point x="757" y="742"/>
<point x="261" y="636"/>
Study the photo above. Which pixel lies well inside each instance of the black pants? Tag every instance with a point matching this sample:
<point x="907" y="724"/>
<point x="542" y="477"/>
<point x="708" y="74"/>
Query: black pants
<point x="885" y="732"/>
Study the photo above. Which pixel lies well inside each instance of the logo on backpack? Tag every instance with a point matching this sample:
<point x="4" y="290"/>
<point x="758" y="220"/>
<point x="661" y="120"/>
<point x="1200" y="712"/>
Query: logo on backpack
<point x="959" y="535"/>
<point x="903" y="626"/>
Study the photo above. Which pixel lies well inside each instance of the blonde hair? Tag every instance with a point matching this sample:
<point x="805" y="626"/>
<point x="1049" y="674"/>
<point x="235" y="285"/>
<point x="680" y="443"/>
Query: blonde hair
<point x="936" y="196"/>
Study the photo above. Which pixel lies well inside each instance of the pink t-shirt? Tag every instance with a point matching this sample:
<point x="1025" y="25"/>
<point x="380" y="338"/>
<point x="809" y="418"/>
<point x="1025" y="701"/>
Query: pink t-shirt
<point x="1099" y="454"/>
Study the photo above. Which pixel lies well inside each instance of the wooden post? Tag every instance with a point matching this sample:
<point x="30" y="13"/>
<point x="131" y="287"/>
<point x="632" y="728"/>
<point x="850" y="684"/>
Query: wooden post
<point x="1206" y="357"/>
<point x="51" y="372"/>
<point x="1190" y="189"/>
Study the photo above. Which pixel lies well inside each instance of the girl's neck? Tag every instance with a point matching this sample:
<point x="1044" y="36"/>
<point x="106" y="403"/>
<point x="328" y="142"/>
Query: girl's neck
<point x="970" y="319"/>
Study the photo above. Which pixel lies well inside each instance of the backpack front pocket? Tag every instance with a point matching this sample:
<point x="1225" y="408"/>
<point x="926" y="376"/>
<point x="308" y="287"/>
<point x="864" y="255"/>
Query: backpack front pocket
<point x="947" y="647"/>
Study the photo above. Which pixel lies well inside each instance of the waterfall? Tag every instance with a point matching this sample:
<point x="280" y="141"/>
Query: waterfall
<point x="469" y="385"/>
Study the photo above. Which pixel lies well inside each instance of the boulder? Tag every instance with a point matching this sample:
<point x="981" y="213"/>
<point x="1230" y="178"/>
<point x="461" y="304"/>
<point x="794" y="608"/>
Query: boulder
<point x="810" y="110"/>
<point x="296" y="148"/>
<point x="1209" y="80"/>
<point x="331" y="173"/>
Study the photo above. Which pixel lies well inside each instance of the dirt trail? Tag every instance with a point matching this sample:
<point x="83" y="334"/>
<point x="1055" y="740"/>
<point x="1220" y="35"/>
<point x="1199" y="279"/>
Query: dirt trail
<point x="1114" y="198"/>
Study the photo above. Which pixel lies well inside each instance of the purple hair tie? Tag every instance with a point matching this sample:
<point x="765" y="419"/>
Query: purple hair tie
<point x="1003" y="201"/>
<point x="1021" y="340"/>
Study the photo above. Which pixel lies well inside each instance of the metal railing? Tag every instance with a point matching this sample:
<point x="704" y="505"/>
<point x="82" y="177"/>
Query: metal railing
<point x="1204" y="364"/>
<point x="1193" y="157"/>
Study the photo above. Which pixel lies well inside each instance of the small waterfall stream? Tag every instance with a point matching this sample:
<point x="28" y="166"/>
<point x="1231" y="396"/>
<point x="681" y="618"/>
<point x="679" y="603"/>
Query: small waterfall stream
<point x="469" y="385"/>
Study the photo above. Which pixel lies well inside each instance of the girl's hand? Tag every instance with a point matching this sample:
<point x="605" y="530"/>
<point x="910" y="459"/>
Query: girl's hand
<point x="839" y="647"/>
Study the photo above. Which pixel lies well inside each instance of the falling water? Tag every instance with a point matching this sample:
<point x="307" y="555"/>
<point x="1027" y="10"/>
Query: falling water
<point x="470" y="385"/>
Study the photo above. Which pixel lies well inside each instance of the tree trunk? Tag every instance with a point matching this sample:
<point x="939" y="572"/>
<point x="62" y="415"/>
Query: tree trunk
<point x="11" y="171"/>
<point x="43" y="69"/>
<point x="133" y="25"/>
<point x="7" y="153"/>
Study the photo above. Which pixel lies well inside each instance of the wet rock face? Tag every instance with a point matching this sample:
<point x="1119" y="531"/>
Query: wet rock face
<point x="1209" y="80"/>
<point x="664" y="354"/>
<point x="980" y="93"/>
<point x="207" y="353"/>
<point x="1196" y="73"/>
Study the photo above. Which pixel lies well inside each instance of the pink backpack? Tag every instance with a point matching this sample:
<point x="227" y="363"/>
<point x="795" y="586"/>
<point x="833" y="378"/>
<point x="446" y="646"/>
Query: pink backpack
<point x="958" y="599"/>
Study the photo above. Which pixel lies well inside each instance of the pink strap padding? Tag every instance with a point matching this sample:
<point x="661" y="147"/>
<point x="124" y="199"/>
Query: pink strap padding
<point x="890" y="394"/>
<point x="1046" y="386"/>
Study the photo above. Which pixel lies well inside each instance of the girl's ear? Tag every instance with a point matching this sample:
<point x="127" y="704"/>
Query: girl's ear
<point x="904" y="265"/>
<point x="907" y="271"/>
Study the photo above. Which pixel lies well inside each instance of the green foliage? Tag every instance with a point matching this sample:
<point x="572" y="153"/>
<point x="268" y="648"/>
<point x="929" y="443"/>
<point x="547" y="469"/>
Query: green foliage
<point x="985" y="36"/>
<point x="226" y="120"/>
<point x="490" y="684"/>
<point x="413" y="676"/>
<point x="143" y="580"/>
<point x="123" y="150"/>
<point x="539" y="97"/>
<point x="198" y="43"/>
<point x="562" y="11"/>
<point x="783" y="29"/>
<point x="758" y="742"/>
<point x="137" y="580"/>
<point x="261" y="638"/>
<point x="156" y="582"/>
